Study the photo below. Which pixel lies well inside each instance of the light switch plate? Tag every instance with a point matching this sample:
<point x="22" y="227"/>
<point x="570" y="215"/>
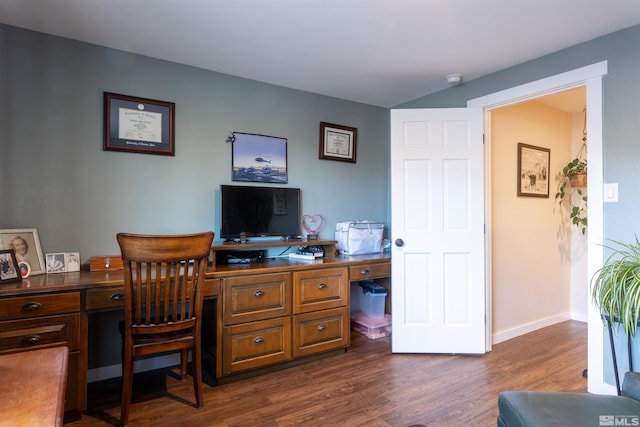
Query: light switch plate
<point x="610" y="193"/>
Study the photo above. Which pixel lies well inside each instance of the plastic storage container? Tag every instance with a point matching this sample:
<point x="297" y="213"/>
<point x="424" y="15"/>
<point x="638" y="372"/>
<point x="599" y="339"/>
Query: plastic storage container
<point x="371" y="328"/>
<point x="372" y="299"/>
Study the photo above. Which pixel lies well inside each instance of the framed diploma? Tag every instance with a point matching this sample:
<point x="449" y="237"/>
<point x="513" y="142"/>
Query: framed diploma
<point x="338" y="142"/>
<point x="138" y="125"/>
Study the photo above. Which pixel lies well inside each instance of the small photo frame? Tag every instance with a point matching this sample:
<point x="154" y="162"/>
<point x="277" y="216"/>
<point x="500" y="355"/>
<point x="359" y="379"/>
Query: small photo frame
<point x="9" y="270"/>
<point x="338" y="142"/>
<point x="533" y="171"/>
<point x="26" y="244"/>
<point x="25" y="269"/>
<point x="259" y="158"/>
<point x="138" y="125"/>
<point x="63" y="262"/>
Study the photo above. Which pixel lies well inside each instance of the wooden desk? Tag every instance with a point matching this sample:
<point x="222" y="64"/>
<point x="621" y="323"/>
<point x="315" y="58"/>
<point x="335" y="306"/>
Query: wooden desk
<point x="32" y="387"/>
<point x="53" y="309"/>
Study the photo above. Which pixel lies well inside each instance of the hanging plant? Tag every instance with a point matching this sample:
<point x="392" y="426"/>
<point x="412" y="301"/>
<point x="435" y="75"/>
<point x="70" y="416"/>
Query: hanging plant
<point x="572" y="189"/>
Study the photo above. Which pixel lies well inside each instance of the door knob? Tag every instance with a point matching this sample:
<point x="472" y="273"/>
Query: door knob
<point x="399" y="242"/>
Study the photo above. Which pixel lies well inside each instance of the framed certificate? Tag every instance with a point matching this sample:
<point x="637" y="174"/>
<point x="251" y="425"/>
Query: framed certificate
<point x="338" y="142"/>
<point x="138" y="125"/>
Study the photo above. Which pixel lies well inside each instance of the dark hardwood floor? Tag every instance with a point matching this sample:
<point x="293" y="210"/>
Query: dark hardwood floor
<point x="366" y="386"/>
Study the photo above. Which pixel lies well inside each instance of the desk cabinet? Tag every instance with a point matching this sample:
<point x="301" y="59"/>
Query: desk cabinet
<point x="321" y="310"/>
<point x="257" y="325"/>
<point x="41" y="321"/>
<point x="276" y="317"/>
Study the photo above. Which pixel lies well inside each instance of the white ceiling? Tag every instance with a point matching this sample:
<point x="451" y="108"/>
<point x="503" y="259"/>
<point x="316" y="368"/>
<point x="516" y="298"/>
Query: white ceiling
<point x="379" y="52"/>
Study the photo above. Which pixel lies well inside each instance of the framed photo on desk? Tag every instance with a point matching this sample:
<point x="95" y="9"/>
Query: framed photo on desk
<point x="26" y="244"/>
<point x="9" y="270"/>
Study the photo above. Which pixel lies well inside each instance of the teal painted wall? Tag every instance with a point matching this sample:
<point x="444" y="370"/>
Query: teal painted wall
<point x="55" y="176"/>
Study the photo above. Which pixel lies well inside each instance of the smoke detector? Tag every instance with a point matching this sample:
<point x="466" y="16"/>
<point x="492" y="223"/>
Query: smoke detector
<point x="454" y="79"/>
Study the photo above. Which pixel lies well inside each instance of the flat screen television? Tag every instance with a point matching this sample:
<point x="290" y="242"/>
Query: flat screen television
<point x="259" y="212"/>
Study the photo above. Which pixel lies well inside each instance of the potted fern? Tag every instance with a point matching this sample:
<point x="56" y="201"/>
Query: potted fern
<point x="616" y="286"/>
<point x="616" y="292"/>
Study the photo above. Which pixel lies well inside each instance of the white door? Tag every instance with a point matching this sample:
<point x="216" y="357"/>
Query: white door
<point x="437" y="223"/>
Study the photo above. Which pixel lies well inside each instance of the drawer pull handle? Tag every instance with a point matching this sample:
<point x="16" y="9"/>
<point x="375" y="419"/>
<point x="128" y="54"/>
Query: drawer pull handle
<point x="31" y="339"/>
<point x="31" y="306"/>
<point x="258" y="293"/>
<point x="117" y="297"/>
<point x="321" y="286"/>
<point x="322" y="327"/>
<point x="258" y="340"/>
<point x="364" y="271"/>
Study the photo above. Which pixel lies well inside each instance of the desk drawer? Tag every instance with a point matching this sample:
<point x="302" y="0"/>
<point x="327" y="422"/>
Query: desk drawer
<point x="370" y="271"/>
<point x="320" y="331"/>
<point x="256" y="344"/>
<point x="104" y="299"/>
<point x="256" y="297"/>
<point x="39" y="332"/>
<point x="210" y="288"/>
<point x="320" y="289"/>
<point x="113" y="297"/>
<point x="39" y="305"/>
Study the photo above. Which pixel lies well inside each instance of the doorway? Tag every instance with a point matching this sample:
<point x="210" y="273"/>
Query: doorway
<point x="537" y="252"/>
<point x="591" y="78"/>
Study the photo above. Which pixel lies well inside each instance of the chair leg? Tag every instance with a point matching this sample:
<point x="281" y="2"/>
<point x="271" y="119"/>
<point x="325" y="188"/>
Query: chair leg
<point x="127" y="388"/>
<point x="184" y="359"/>
<point x="196" y="366"/>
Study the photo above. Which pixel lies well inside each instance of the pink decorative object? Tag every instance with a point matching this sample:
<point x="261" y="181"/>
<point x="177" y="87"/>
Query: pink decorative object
<point x="312" y="224"/>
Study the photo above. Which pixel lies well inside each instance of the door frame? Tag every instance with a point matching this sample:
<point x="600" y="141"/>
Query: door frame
<point x="589" y="76"/>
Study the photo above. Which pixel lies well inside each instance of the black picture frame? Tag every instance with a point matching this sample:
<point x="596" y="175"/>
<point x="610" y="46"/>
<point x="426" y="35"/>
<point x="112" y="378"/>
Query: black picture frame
<point x="533" y="171"/>
<point x="9" y="270"/>
<point x="138" y="125"/>
<point x="338" y="142"/>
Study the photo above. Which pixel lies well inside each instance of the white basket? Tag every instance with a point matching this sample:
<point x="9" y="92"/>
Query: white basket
<point x="359" y="237"/>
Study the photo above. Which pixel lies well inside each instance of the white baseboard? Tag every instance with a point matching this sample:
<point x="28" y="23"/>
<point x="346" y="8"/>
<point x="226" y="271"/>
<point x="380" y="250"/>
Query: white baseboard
<point x="580" y="317"/>
<point x="502" y="336"/>
<point x="142" y="365"/>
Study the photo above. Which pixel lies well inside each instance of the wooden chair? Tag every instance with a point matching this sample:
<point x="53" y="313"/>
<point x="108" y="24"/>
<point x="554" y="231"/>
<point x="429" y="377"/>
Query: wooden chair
<point x="163" y="302"/>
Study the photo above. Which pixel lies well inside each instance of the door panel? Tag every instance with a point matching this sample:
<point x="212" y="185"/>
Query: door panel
<point x="437" y="193"/>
